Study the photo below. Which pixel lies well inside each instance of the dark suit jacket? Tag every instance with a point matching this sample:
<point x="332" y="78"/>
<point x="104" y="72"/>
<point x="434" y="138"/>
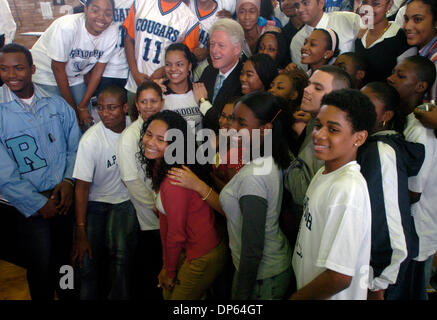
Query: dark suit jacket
<point x="231" y="87"/>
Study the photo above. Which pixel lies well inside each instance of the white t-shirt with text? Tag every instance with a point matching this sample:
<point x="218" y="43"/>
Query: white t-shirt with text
<point x="67" y="40"/>
<point x="96" y="162"/>
<point x="335" y="230"/>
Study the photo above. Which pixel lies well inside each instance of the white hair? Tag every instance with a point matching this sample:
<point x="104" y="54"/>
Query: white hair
<point x="232" y="28"/>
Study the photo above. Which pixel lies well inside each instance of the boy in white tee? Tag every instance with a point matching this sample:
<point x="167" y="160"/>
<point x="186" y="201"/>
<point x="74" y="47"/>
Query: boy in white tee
<point x="332" y="252"/>
<point x="106" y="221"/>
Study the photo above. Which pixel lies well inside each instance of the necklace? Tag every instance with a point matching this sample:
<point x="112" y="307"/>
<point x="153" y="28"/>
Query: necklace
<point x="385" y="29"/>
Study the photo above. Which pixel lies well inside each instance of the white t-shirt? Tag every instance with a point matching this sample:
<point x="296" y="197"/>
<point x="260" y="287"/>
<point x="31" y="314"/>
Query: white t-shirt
<point x="345" y="24"/>
<point x="67" y="40"/>
<point x="335" y="230"/>
<point x="96" y="163"/>
<point x="186" y="106"/>
<point x="8" y="27"/>
<point x="424" y="211"/>
<point x="130" y="170"/>
<point x="117" y="66"/>
<point x="256" y="179"/>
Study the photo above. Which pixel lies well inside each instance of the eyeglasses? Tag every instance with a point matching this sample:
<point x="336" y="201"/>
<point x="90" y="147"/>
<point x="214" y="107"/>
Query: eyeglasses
<point x="109" y="107"/>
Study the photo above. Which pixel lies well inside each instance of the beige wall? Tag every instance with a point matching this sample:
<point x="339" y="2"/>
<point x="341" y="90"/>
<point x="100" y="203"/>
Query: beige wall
<point x="29" y="17"/>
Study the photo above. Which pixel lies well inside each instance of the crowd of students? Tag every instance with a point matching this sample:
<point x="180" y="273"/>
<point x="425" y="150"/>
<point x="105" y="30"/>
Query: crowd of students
<point x="118" y="156"/>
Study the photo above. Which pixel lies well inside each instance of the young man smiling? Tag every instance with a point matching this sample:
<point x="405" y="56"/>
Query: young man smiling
<point x="332" y="252"/>
<point x="39" y="136"/>
<point x="106" y="222"/>
<point x="305" y="165"/>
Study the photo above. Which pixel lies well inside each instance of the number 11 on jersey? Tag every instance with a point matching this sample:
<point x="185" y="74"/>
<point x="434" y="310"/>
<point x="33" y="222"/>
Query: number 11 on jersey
<point x="158" y="45"/>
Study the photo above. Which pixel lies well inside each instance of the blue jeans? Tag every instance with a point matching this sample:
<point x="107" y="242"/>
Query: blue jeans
<point x="105" y="82"/>
<point x="77" y="91"/>
<point x="112" y="231"/>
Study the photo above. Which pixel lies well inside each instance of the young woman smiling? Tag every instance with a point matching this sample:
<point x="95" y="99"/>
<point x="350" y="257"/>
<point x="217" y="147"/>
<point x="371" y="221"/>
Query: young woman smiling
<point x="194" y="252"/>
<point x="179" y="97"/>
<point x="318" y="49"/>
<point x="257" y="74"/>
<point x="251" y="202"/>
<point x="421" y="30"/>
<point x="383" y="44"/>
<point x="148" y="101"/>
<point x="70" y="48"/>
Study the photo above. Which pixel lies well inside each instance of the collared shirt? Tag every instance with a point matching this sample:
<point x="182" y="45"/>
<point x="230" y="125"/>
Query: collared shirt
<point x="345" y="24"/>
<point x="38" y="145"/>
<point x="384" y="53"/>
<point x="430" y="48"/>
<point x="206" y="105"/>
<point x="6" y="95"/>
<point x="225" y="74"/>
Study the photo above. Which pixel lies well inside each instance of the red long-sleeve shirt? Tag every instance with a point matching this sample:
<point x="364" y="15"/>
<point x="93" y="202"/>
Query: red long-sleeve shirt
<point x="188" y="223"/>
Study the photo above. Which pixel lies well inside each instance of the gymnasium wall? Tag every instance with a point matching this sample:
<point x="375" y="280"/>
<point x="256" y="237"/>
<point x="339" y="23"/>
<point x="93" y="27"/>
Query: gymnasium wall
<point x="36" y="16"/>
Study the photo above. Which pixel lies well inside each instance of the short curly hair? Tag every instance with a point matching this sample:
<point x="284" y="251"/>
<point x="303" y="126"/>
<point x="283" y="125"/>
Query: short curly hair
<point x="358" y="107"/>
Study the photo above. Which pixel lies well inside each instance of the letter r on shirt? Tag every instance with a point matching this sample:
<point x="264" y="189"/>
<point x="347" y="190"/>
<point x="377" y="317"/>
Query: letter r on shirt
<point x="24" y="150"/>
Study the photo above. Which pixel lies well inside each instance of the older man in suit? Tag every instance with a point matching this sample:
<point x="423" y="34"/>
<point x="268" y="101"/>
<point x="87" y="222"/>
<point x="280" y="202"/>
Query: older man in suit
<point x="221" y="80"/>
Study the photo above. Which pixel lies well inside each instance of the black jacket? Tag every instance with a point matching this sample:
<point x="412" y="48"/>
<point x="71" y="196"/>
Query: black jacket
<point x="409" y="159"/>
<point x="231" y="87"/>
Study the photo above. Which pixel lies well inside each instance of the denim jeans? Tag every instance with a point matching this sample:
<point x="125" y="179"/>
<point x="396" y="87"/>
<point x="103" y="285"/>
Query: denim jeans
<point x="106" y="82"/>
<point x="77" y="91"/>
<point x="112" y="231"/>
